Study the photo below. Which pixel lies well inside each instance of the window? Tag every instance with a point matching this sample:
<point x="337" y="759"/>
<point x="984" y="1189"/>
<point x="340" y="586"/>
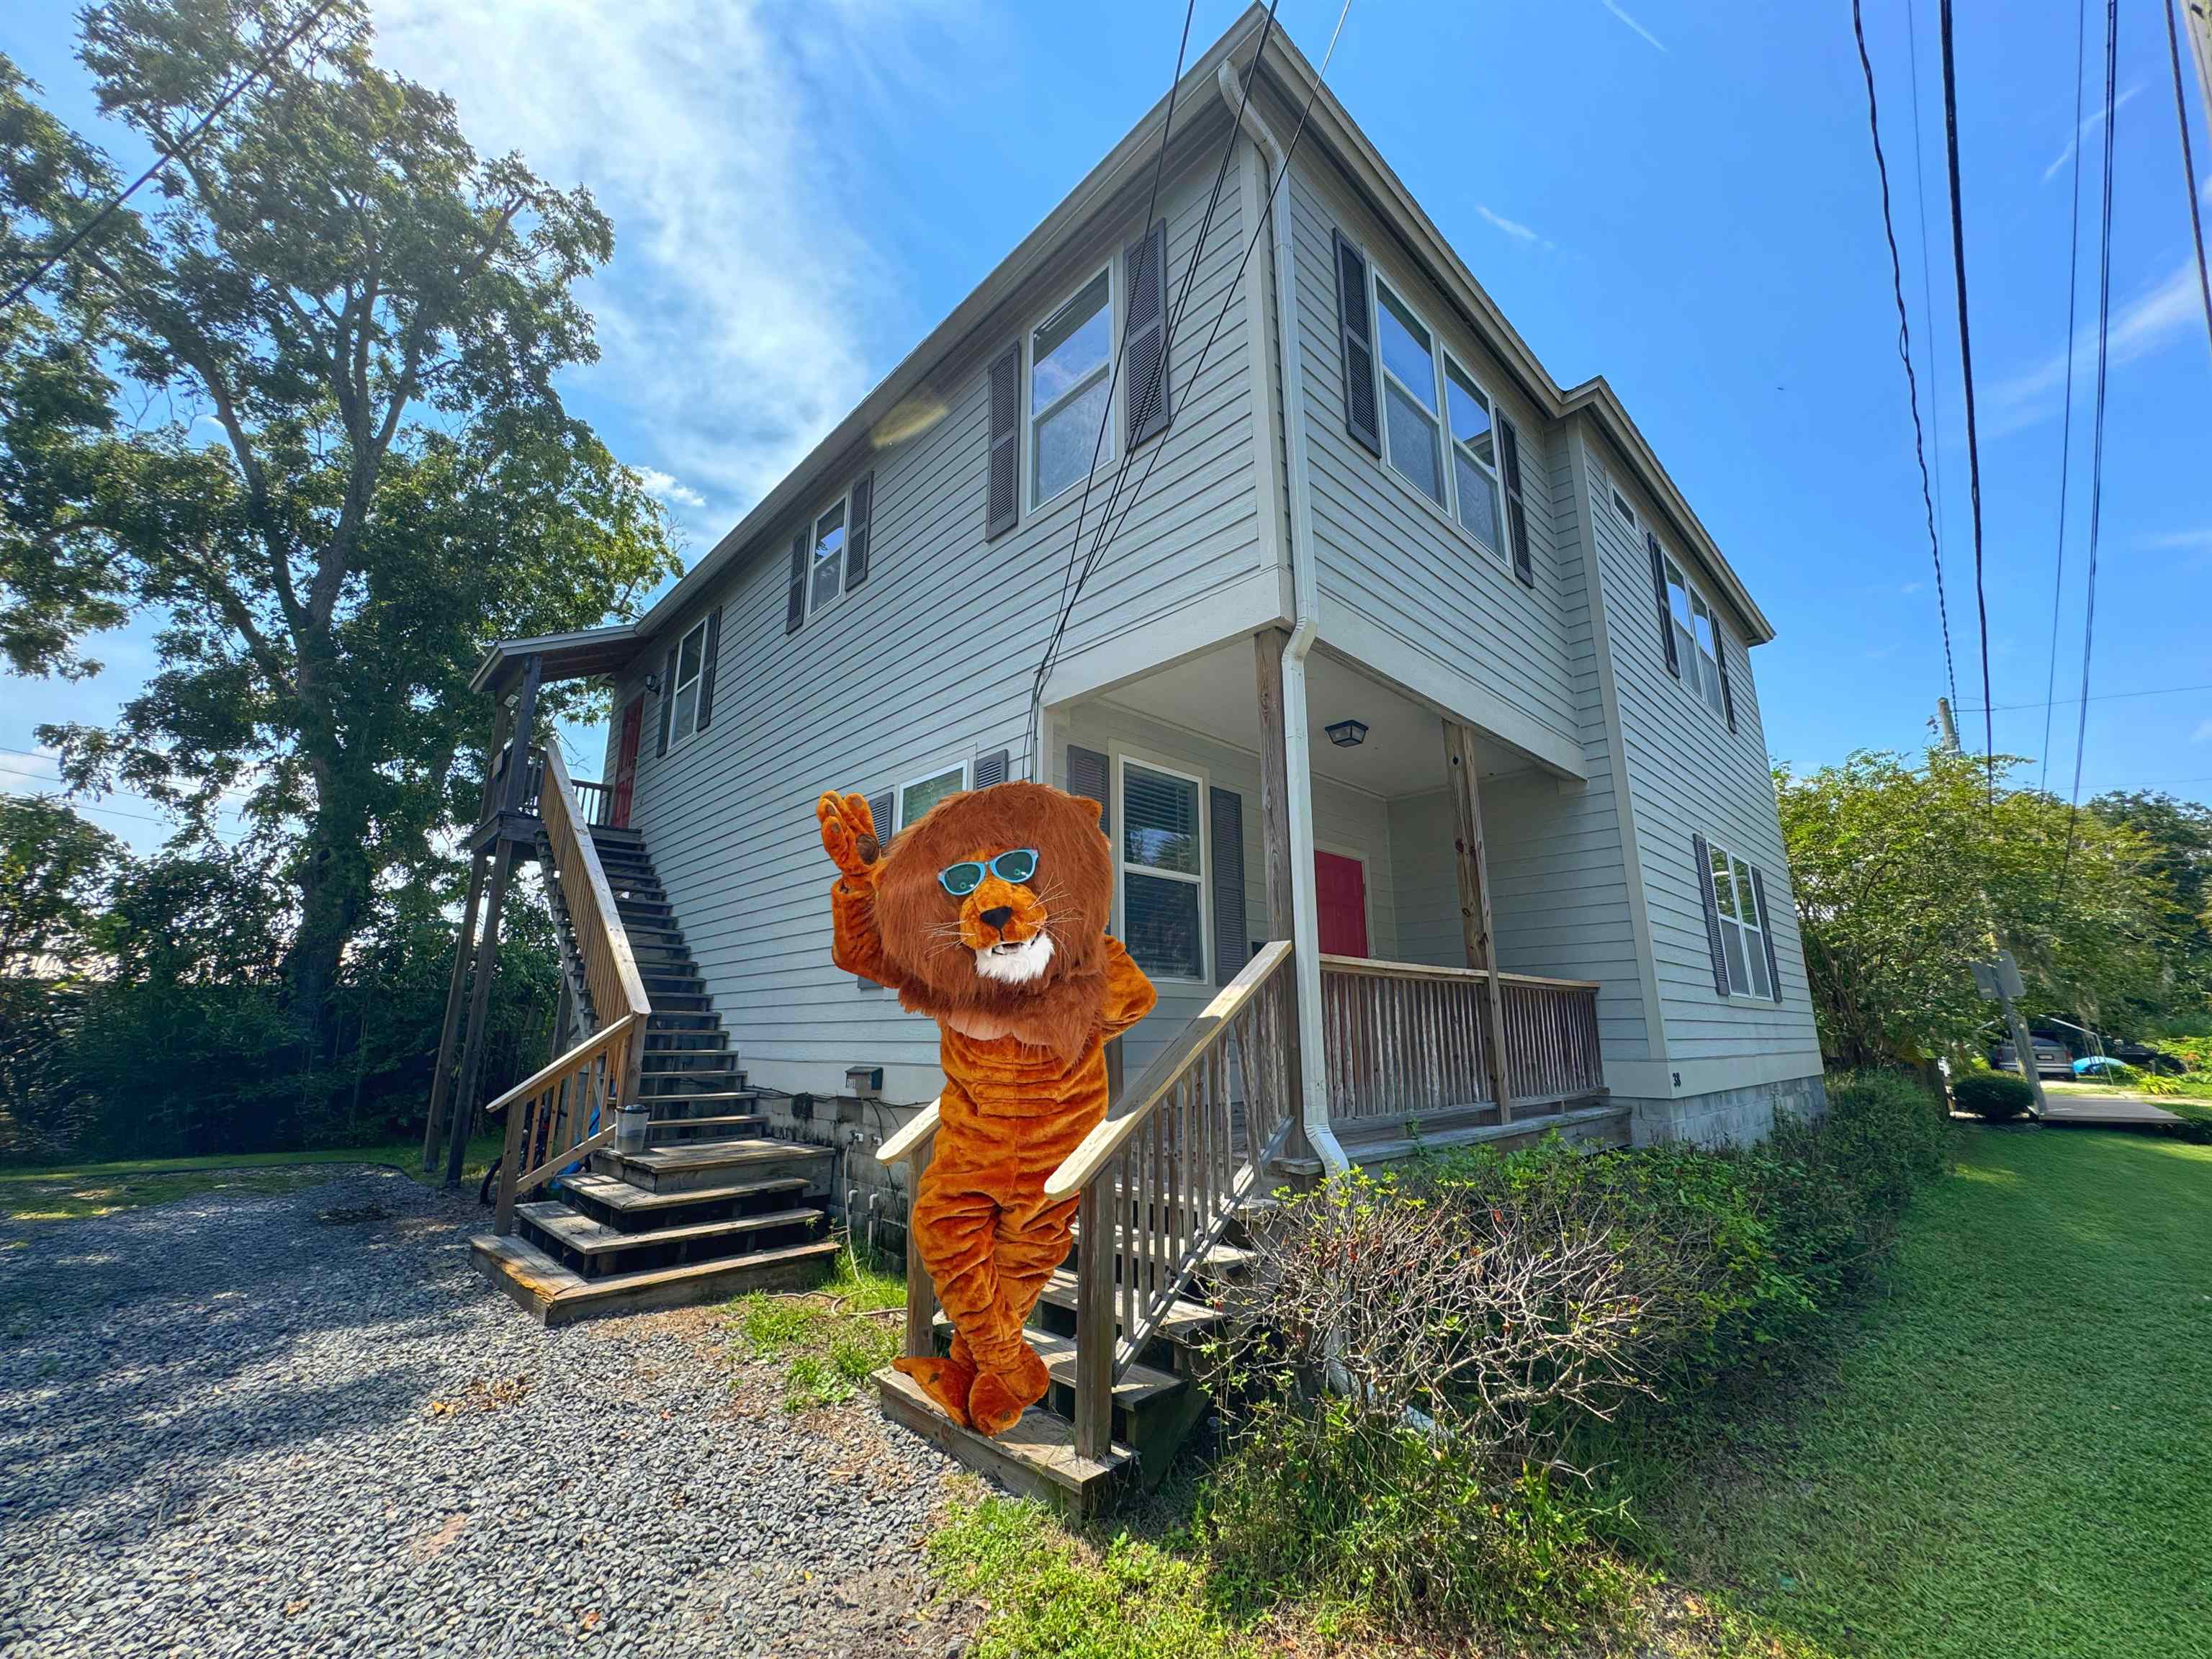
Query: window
<point x="1452" y="460"/>
<point x="1627" y="512"/>
<point x="1161" y="858"/>
<point x="690" y="659"/>
<point x="826" y="564"/>
<point x="1697" y="639"/>
<point x="1743" y="929"/>
<point x="916" y="797"/>
<point x="1070" y="353"/>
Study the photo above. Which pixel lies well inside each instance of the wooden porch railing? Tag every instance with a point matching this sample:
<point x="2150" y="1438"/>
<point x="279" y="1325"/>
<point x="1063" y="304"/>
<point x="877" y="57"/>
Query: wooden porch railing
<point x="597" y="801"/>
<point x="570" y="1108"/>
<point x="1406" y="1040"/>
<point x="1158" y="1181"/>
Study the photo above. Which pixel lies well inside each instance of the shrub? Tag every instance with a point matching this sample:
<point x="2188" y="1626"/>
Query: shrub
<point x="1993" y="1096"/>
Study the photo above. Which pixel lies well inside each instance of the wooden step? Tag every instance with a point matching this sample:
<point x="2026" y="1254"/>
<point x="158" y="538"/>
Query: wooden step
<point x="720" y="1097"/>
<point x="727" y="1128"/>
<point x="1135" y="1388"/>
<point x="606" y="1196"/>
<point x="602" y="1247"/>
<point x="1035" y="1458"/>
<point x="555" y="1295"/>
<point x="1187" y="1323"/>
<point x="675" y="1169"/>
<point x="1221" y="1260"/>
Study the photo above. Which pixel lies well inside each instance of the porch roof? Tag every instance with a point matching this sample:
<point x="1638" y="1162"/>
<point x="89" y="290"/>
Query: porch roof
<point x="563" y="656"/>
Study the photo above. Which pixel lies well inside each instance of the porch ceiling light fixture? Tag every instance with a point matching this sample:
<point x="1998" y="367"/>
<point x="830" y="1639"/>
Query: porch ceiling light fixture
<point x="1347" y="734"/>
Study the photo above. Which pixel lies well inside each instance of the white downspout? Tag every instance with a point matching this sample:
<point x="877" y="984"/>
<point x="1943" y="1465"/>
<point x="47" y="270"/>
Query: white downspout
<point x="1306" y="932"/>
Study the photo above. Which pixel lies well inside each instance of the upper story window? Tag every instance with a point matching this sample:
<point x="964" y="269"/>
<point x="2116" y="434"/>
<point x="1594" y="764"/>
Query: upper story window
<point x="1162" y="861"/>
<point x="917" y="797"/>
<point x="826" y="558"/>
<point x="1697" y="638"/>
<point x="690" y="663"/>
<point x="1743" y="926"/>
<point x="1071" y="360"/>
<point x="1432" y="404"/>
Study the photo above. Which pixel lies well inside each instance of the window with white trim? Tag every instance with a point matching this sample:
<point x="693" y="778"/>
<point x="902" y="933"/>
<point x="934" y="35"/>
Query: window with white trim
<point x="690" y="662"/>
<point x="825" y="577"/>
<point x="1160" y="856"/>
<point x="1697" y="637"/>
<point x="1071" y="359"/>
<point x="917" y="797"/>
<point x="1743" y="929"/>
<point x="1439" y="426"/>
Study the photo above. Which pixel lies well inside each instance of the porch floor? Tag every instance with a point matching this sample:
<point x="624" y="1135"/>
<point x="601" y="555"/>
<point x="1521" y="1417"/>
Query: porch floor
<point x="1369" y="1141"/>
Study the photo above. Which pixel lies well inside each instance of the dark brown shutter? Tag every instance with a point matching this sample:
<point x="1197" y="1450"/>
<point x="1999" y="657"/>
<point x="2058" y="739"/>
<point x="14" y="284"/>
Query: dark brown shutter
<point x="1728" y="691"/>
<point x="990" y="768"/>
<point x="1146" y="332"/>
<point x="1226" y="856"/>
<point x="1517" y="514"/>
<point x="794" y="609"/>
<point x="1699" y="851"/>
<point x="1766" y="929"/>
<point x="1087" y="775"/>
<point x="667" y="701"/>
<point x="707" y="668"/>
<point x="1659" y="592"/>
<point x="856" y="531"/>
<point x="1355" y="325"/>
<point x="1001" y="508"/>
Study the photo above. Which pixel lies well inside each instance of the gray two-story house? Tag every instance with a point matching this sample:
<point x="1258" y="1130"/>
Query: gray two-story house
<point x="1382" y="644"/>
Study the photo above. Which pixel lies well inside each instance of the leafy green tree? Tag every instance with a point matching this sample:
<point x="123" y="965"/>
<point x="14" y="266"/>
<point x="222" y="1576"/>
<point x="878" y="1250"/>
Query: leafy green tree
<point x="2180" y="836"/>
<point x="371" y="317"/>
<point x="1902" y="870"/>
<point x="54" y="871"/>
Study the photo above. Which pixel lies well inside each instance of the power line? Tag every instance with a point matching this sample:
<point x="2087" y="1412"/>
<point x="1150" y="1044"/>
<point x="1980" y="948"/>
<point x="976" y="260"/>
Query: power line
<point x="1905" y="350"/>
<point x="2066" y="435"/>
<point x="1106" y="409"/>
<point x="2102" y="697"/>
<point x="2189" y="169"/>
<point x="2097" y="446"/>
<point x="1966" y="368"/>
<point x="1927" y="294"/>
<point x="190" y="137"/>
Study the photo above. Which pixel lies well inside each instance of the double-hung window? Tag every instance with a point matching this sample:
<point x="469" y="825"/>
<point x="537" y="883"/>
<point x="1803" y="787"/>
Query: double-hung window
<point x="1071" y="360"/>
<point x="690" y="660"/>
<point x="1162" y="861"/>
<point x="1697" y="638"/>
<point x="1439" y="428"/>
<point x="826" y="561"/>
<point x="1743" y="928"/>
<point x="916" y="797"/>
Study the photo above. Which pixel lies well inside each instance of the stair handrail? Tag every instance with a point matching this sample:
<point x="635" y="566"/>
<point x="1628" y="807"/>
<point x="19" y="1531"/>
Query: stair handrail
<point x="561" y="1113"/>
<point x="609" y="966"/>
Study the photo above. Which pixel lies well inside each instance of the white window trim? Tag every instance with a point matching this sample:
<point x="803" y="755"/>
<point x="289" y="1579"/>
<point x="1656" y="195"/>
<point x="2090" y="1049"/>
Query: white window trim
<point x="898" y="795"/>
<point x="1110" y="450"/>
<point x="1446" y="511"/>
<point x="1123" y="759"/>
<point x="1715" y="707"/>
<point x="844" y="553"/>
<point x="678" y="734"/>
<point x="1754" y="933"/>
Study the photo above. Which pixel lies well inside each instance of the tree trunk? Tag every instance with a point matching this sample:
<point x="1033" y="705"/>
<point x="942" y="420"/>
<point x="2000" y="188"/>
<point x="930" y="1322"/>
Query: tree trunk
<point x="334" y="878"/>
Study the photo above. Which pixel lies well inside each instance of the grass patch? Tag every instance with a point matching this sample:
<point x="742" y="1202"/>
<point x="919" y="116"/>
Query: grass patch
<point x="73" y="1192"/>
<point x="2010" y="1457"/>
<point x="825" y="1342"/>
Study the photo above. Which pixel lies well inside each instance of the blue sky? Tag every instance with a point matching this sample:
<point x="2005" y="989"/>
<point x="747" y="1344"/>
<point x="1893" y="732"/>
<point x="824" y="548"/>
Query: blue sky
<point x="1680" y="198"/>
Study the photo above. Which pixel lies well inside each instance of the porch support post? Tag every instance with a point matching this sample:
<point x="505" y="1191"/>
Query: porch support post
<point x="441" y="1080"/>
<point x="1473" y="864"/>
<point x="464" y="1085"/>
<point x="1275" y="782"/>
<point x="526" y="728"/>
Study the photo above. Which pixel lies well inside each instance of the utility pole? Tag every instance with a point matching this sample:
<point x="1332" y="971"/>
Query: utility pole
<point x="2002" y="979"/>
<point x="2197" y="23"/>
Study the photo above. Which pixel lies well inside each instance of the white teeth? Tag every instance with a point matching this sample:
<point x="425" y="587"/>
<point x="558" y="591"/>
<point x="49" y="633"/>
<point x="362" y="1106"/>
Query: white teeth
<point x="1012" y="963"/>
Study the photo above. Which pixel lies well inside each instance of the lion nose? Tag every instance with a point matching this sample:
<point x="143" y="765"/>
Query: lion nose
<point x="999" y="917"/>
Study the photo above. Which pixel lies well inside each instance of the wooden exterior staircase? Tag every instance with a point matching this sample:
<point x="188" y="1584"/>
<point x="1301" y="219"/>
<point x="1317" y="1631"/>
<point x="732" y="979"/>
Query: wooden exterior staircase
<point x="698" y="1204"/>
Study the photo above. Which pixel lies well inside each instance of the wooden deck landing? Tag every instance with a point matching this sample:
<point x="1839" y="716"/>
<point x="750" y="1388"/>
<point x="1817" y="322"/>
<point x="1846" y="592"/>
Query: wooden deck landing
<point x="2105" y="1109"/>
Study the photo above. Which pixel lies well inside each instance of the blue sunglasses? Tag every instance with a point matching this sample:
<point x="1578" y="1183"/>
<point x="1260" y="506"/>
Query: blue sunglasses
<point x="962" y="879"/>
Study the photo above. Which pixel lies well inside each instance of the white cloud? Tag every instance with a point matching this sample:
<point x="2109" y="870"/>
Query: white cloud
<point x="2082" y="137"/>
<point x="2184" y="540"/>
<point x="665" y="485"/>
<point x="1513" y="227"/>
<point x="2138" y="328"/>
<point x="2203" y="733"/>
<point x="1632" y="23"/>
<point x="29" y="774"/>
<point x="733" y="318"/>
<point x="1912" y="587"/>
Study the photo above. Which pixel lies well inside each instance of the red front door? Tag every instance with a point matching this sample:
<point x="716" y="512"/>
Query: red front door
<point x="1340" y="892"/>
<point x="626" y="763"/>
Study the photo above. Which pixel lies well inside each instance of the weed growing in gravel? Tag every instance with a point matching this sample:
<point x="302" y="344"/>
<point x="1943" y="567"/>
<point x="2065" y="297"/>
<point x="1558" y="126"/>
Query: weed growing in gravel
<point x="827" y="1340"/>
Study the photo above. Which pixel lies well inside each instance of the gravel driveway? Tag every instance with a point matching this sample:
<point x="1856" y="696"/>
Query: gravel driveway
<point x="300" y="1424"/>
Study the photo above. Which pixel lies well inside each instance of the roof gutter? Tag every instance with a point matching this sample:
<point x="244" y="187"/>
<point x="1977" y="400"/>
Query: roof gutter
<point x="1298" y="753"/>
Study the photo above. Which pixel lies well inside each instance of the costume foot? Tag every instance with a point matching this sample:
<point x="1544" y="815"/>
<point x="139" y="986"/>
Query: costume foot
<point x="996" y="1401"/>
<point x="944" y="1381"/>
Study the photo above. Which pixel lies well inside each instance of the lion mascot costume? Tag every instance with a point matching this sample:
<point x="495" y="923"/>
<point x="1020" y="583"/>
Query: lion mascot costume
<point x="990" y="916"/>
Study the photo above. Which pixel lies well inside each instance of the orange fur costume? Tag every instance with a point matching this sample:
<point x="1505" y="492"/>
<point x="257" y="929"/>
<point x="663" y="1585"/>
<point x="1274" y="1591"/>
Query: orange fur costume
<point x="1026" y="988"/>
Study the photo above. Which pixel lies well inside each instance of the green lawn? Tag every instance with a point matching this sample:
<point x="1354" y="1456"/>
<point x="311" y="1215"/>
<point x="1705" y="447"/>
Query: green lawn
<point x="2015" y="1457"/>
<point x="70" y="1192"/>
